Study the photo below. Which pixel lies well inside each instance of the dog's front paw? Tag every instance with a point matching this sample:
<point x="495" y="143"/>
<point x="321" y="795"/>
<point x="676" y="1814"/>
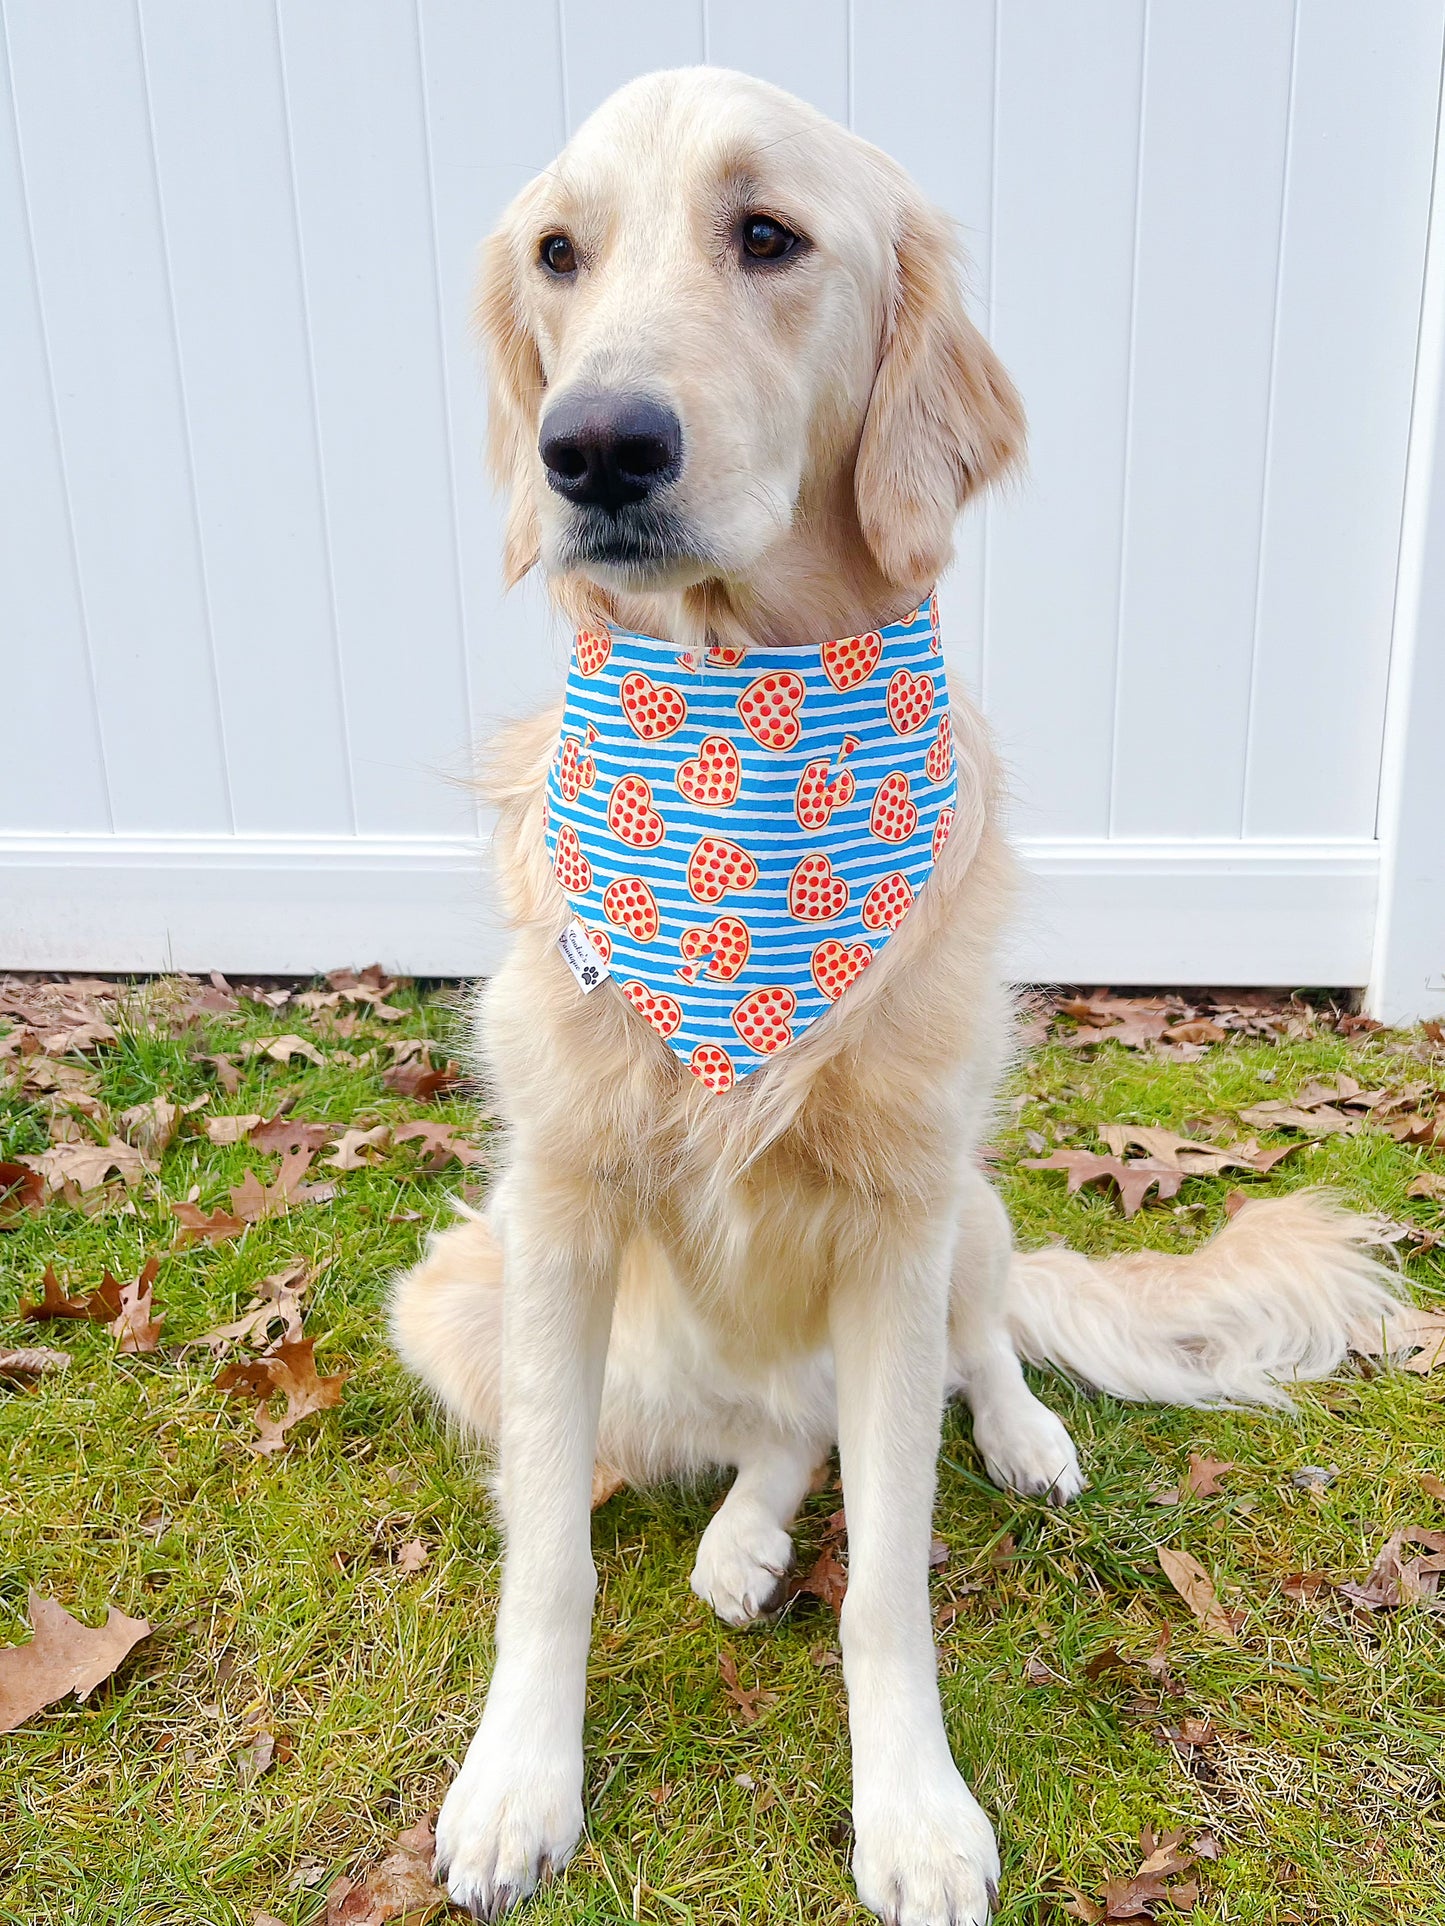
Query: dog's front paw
<point x="924" y="1853"/>
<point x="1025" y="1448"/>
<point x="742" y="1560"/>
<point x="510" y="1818"/>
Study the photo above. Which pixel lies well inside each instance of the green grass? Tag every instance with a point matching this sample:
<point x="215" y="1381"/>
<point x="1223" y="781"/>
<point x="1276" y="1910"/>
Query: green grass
<point x="274" y="1599"/>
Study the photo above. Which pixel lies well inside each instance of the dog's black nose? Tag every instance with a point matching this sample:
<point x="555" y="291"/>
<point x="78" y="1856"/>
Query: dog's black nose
<point x="607" y="451"/>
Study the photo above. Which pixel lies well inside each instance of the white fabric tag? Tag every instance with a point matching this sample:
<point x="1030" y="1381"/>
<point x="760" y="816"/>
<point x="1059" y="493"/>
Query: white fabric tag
<point x="582" y="959"/>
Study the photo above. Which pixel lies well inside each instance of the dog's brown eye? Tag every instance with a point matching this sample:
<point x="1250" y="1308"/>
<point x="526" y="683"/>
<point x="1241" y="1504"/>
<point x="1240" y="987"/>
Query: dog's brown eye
<point x="767" y="240"/>
<point x="558" y="254"/>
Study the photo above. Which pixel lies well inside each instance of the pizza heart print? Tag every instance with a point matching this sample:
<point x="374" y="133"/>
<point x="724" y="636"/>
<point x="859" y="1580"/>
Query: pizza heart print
<point x="741" y="835"/>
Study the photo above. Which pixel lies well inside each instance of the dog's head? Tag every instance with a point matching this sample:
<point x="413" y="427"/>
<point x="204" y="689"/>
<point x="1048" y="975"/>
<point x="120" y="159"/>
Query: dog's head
<point x="720" y="314"/>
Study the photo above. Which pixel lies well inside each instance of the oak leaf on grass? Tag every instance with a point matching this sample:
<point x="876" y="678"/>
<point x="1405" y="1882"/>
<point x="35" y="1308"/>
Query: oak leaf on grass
<point x="289" y="1370"/>
<point x="21" y="1189"/>
<point x="400" y="1887"/>
<point x="64" y="1656"/>
<point x="1133" y="1181"/>
<point x="31" y="1361"/>
<point x="1196" y="1588"/>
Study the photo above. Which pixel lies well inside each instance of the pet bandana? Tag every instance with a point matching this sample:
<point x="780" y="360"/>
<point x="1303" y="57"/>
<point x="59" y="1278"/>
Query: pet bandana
<point x="740" y="836"/>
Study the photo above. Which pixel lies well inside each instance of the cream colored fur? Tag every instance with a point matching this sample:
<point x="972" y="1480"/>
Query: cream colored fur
<point x="675" y="1280"/>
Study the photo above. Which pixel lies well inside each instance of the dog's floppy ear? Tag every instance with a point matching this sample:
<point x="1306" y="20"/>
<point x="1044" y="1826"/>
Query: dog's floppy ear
<point x="515" y="386"/>
<point x="943" y="420"/>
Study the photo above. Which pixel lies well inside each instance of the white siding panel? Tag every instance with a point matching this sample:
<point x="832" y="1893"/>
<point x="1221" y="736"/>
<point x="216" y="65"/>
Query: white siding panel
<point x="1216" y="91"/>
<point x="606" y="43"/>
<point x="935" y="116"/>
<point x="493" y="109"/>
<point x="1060" y="306"/>
<point x="54" y="753"/>
<point x="798" y="44"/>
<point x="225" y="189"/>
<point x="1366" y="96"/>
<point x="82" y="113"/>
<point x="364" y="196"/>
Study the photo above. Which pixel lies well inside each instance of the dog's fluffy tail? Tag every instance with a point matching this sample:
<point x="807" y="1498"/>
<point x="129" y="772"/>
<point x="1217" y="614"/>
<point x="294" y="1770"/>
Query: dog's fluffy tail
<point x="1285" y="1290"/>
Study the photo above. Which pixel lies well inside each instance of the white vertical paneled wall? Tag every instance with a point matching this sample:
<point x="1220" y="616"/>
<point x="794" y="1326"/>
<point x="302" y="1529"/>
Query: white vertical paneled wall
<point x="250" y="610"/>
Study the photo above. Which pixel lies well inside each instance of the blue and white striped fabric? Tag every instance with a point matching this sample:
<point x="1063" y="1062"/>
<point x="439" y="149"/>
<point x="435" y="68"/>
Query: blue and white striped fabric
<point x="740" y="837"/>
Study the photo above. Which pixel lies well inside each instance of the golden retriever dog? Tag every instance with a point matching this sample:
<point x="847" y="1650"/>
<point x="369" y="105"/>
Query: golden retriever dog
<point x="736" y="400"/>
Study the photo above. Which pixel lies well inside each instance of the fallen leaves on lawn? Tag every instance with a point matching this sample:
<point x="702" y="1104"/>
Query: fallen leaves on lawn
<point x="277" y="1300"/>
<point x="1204" y="1475"/>
<point x="232" y="1129"/>
<point x="749" y="1701"/>
<point x="827" y="1577"/>
<point x="33" y="1361"/>
<point x="283" y="1049"/>
<point x="400" y="1887"/>
<point x="152" y="1127"/>
<point x="64" y="1656"/>
<point x="1196" y="1588"/>
<point x="419" y="1079"/>
<point x="411" y="1557"/>
<point x="285" y="1133"/>
<point x="359" y="1149"/>
<point x="99" y="1306"/>
<point x="441" y="1143"/>
<point x="21" y="1189"/>
<point x="136" y="1327"/>
<point x="1155" y="1884"/>
<point x="251" y="1200"/>
<point x="1415" y="1337"/>
<point x="87" y="1165"/>
<point x="1394" y="1580"/>
<point x="1133" y="1181"/>
<point x="289" y="1370"/>
<point x="1195" y="1159"/>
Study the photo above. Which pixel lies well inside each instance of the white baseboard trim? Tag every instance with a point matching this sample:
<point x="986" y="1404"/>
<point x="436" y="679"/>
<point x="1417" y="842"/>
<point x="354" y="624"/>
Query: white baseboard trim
<point x="1169" y="911"/>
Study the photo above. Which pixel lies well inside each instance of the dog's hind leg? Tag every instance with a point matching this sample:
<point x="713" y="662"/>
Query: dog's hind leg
<point x="1023" y="1445"/>
<point x="745" y="1553"/>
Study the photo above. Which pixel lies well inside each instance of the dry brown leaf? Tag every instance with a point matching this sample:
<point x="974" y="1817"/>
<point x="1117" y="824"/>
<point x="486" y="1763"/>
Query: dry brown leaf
<point x="232" y="1129"/>
<point x="277" y="1300"/>
<point x="420" y="1080"/>
<point x="442" y="1144"/>
<point x="1393" y="1580"/>
<point x="98" y="1306"/>
<point x="1133" y="1181"/>
<point x="400" y="1887"/>
<point x="1196" y="1030"/>
<point x="283" y="1049"/>
<point x="749" y="1701"/>
<point x="64" y="1656"/>
<point x="290" y="1370"/>
<point x="251" y="1200"/>
<point x="1432" y="1486"/>
<point x="411" y="1557"/>
<point x="827" y="1577"/>
<point x="33" y="1361"/>
<point x="285" y="1133"/>
<point x="1430" y="1185"/>
<point x="21" y="1189"/>
<point x="136" y="1327"/>
<point x="195" y="1224"/>
<point x="1415" y="1335"/>
<point x="87" y="1165"/>
<point x="151" y="1127"/>
<point x="359" y="1149"/>
<point x="1196" y="1588"/>
<point x="1204" y="1474"/>
<point x="1155" y="1884"/>
<point x="606" y="1483"/>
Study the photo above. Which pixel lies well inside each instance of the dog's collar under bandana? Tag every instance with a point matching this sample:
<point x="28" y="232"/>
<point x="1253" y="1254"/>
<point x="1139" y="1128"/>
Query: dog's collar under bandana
<point x="739" y="837"/>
